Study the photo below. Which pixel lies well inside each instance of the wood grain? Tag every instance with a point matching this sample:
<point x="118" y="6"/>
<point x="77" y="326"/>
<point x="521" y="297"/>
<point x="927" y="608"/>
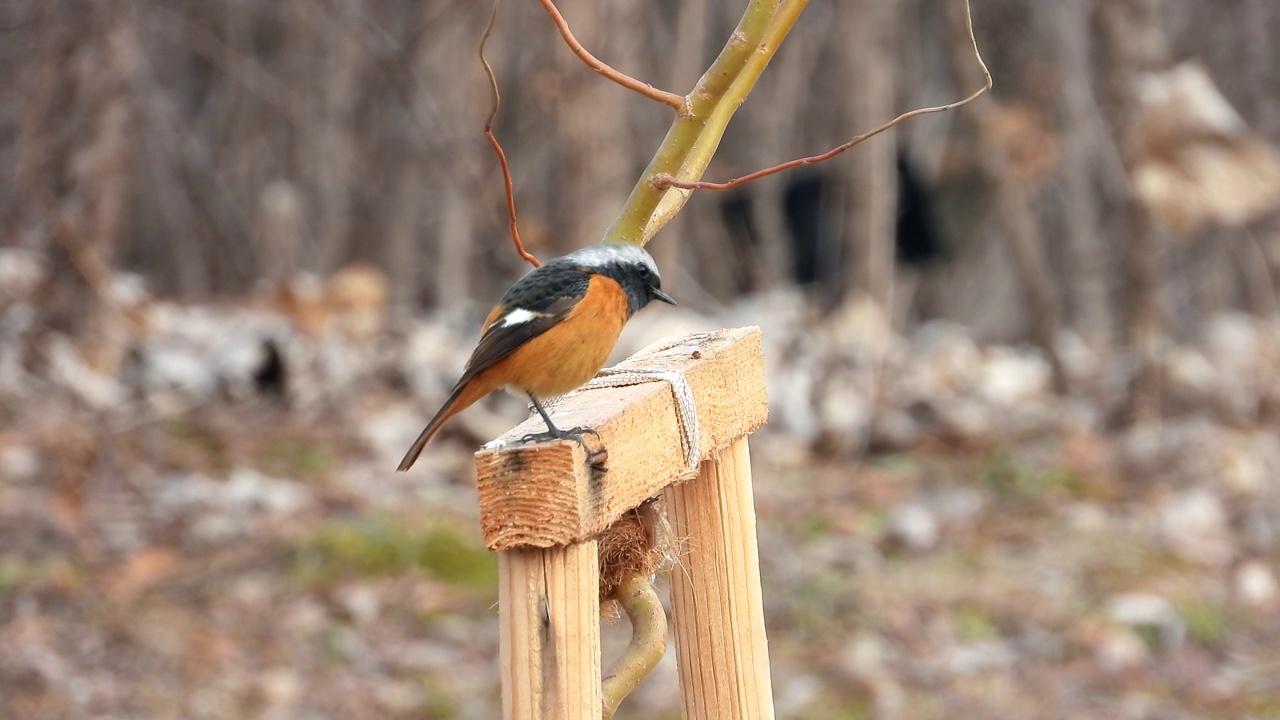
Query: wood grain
<point x="716" y="604"/>
<point x="549" y="619"/>
<point x="546" y="495"/>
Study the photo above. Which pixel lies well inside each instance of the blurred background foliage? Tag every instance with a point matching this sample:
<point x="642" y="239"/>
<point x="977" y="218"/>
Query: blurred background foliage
<point x="208" y="146"/>
<point x="1024" y="357"/>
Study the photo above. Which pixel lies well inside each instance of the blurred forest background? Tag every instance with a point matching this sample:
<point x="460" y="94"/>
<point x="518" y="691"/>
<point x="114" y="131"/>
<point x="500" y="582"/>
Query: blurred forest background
<point x="1024" y="357"/>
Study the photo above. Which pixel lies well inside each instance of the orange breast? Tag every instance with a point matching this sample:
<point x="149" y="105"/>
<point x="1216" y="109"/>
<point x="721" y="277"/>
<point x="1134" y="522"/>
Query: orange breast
<point x="572" y="352"/>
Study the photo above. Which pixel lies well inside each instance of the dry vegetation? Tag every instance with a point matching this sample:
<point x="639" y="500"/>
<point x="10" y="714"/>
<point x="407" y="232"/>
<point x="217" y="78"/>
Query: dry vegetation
<point x="244" y="246"/>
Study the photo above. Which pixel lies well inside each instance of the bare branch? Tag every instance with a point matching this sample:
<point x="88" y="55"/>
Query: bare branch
<point x="664" y="181"/>
<point x="493" y="140"/>
<point x="626" y="81"/>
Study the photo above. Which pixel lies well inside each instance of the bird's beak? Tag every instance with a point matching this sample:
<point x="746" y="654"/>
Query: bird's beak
<point x="659" y="295"/>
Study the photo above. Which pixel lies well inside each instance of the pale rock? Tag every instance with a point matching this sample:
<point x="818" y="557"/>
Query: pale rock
<point x="223" y="510"/>
<point x="304" y="617"/>
<point x="1118" y="649"/>
<point x="1086" y="518"/>
<point x="68" y="369"/>
<point x="966" y="417"/>
<point x="1256" y="584"/>
<point x="797" y="695"/>
<point x="780" y="312"/>
<point x="22" y="271"/>
<point x="1190" y="372"/>
<point x="361" y="602"/>
<point x="866" y="655"/>
<point x="389" y="430"/>
<point x="868" y="659"/>
<point x="238" y="360"/>
<point x="426" y="656"/>
<point x="175" y="376"/>
<point x="194" y="354"/>
<point x="843" y="406"/>
<point x="914" y="526"/>
<point x="179" y="493"/>
<point x="862" y="325"/>
<point x="791" y="398"/>
<point x="1172" y="449"/>
<point x="431" y="359"/>
<point x="280" y="687"/>
<point x="977" y="657"/>
<point x="1233" y="345"/>
<point x="1250" y="463"/>
<point x="957" y="505"/>
<point x="1010" y="378"/>
<point x="400" y="697"/>
<point x="250" y="489"/>
<point x="1194" y="525"/>
<point x="894" y="428"/>
<point x="127" y="290"/>
<point x="18" y="462"/>
<point x="1147" y="610"/>
<point x="946" y="362"/>
<point x="1077" y="358"/>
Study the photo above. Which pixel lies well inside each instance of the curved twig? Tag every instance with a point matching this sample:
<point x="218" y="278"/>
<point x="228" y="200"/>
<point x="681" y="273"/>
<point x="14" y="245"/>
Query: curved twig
<point x="626" y="81"/>
<point x="493" y="140"/>
<point x="664" y="181"/>
<point x="648" y="642"/>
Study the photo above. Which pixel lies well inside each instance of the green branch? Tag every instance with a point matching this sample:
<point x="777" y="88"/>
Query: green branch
<point x="694" y="136"/>
<point x="648" y="642"/>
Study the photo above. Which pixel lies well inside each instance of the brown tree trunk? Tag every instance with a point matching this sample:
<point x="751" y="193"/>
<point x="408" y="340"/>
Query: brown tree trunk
<point x="1087" y="256"/>
<point x="872" y="186"/>
<point x="1013" y="198"/>
<point x="1135" y="43"/>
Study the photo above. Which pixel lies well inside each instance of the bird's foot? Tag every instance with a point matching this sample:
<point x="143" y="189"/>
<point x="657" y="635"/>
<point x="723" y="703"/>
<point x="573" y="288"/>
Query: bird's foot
<point x="555" y="433"/>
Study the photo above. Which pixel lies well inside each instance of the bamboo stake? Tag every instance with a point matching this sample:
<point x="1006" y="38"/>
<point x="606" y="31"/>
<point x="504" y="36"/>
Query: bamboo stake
<point x="549" y="620"/>
<point x="721" y="650"/>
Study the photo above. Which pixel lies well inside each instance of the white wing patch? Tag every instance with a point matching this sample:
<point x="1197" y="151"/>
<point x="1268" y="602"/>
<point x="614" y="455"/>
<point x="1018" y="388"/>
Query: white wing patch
<point x="518" y="316"/>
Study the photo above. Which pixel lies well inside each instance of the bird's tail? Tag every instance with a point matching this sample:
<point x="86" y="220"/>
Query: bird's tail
<point x="463" y="396"/>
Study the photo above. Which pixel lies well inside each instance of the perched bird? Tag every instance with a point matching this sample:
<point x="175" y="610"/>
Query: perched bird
<point x="552" y="331"/>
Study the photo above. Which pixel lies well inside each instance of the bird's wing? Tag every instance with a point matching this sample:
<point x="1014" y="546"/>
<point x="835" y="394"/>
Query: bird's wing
<point x="530" y="307"/>
<point x="514" y="328"/>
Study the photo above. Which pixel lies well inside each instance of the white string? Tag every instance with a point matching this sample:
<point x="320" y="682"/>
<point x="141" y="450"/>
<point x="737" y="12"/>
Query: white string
<point x="686" y="408"/>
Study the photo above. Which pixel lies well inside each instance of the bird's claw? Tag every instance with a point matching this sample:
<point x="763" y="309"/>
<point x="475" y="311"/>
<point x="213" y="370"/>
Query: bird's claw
<point x="574" y="434"/>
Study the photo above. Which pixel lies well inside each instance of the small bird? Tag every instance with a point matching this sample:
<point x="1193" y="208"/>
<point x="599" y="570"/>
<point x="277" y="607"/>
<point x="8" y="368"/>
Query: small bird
<point x="552" y="331"/>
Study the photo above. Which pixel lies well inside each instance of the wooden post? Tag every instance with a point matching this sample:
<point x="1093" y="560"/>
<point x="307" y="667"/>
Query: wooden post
<point x="541" y="507"/>
<point x="549" y="617"/>
<point x="546" y="495"/>
<point x="721" y="651"/>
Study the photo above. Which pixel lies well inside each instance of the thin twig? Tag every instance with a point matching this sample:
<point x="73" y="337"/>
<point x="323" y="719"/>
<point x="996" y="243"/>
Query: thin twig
<point x="626" y="81"/>
<point x="493" y="140"/>
<point x="664" y="181"/>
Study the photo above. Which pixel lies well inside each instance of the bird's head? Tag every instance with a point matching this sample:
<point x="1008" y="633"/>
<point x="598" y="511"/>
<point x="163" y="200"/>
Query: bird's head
<point x="631" y="265"/>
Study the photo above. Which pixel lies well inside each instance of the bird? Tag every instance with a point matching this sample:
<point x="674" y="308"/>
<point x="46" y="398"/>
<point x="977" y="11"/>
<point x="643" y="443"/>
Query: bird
<point x="552" y="331"/>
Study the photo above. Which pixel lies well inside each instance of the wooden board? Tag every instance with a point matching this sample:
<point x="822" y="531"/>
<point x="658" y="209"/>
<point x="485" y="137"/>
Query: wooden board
<point x="716" y="603"/>
<point x="549" y="617"/>
<point x="546" y="494"/>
